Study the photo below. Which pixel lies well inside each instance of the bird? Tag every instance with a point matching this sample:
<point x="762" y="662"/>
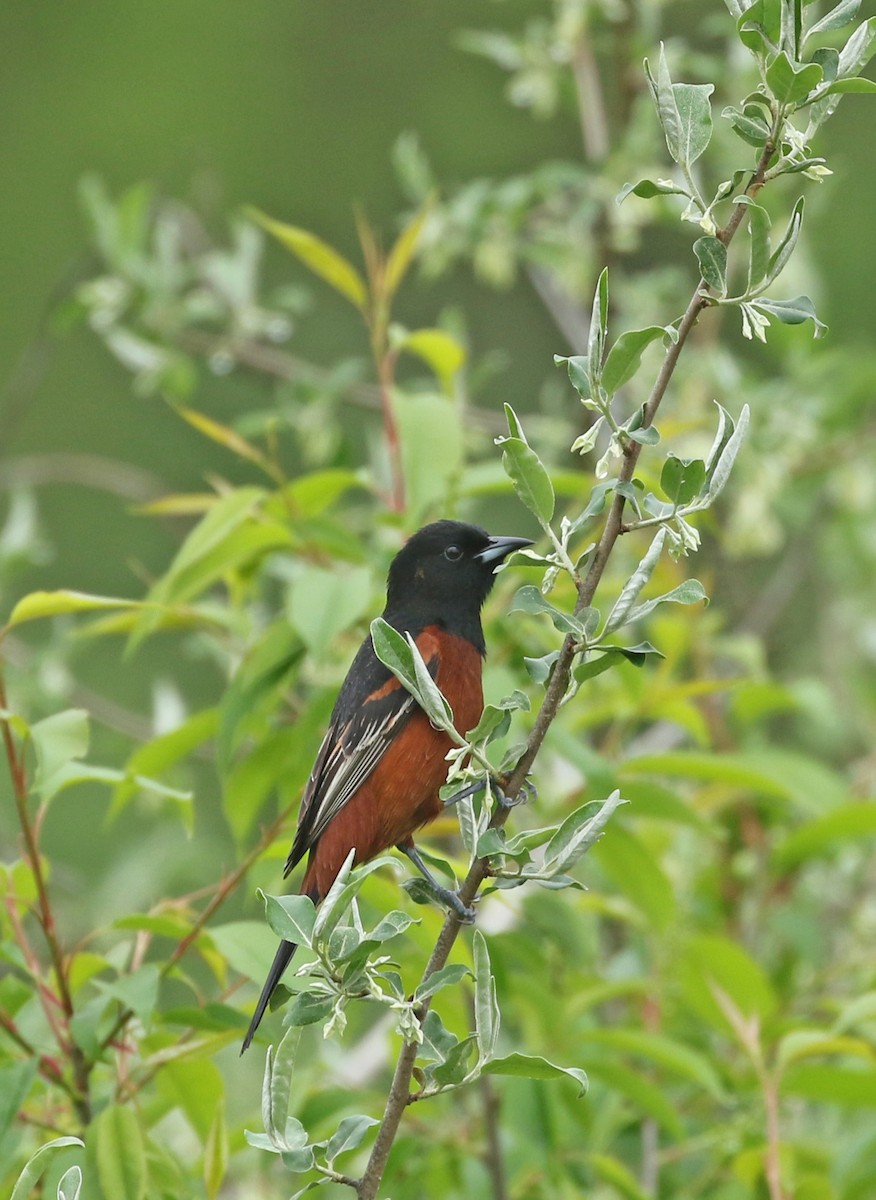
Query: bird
<point x="378" y="772"/>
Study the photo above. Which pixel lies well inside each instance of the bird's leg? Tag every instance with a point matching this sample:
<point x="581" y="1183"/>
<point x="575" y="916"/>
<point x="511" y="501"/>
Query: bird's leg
<point x="445" y="895"/>
<point x="527" y="792"/>
<point x="471" y="789"/>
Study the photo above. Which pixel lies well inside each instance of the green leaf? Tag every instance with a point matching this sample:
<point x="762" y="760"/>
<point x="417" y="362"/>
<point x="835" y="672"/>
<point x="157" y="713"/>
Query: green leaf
<point x="454" y="1068"/>
<point x="58" y="740"/>
<point x="579" y="831"/>
<point x="664" y="1052"/>
<point x="432" y="448"/>
<point x="792" y="312"/>
<point x="348" y="1136"/>
<point x="284" y="1132"/>
<point x="529" y="599"/>
<point x="60" y="603"/>
<point x="316" y="254"/>
<point x="759" y="244"/>
<point x="401" y="255"/>
<point x="403" y="658"/>
<point x="785" y="249"/>
<point x="709" y="960"/>
<point x="598" y="330"/>
<point x="309" y="1007"/>
<point x="291" y="917"/>
<point x="70" y="1184"/>
<point x="15" y="1084"/>
<point x="216" y="1151"/>
<point x="323" y="603"/>
<point x="852" y="1087"/>
<point x="526" y="471"/>
<point x="635" y="583"/>
<point x="120" y="1153"/>
<point x="625" y="356"/>
<point x="691" y="591"/>
<point x="528" y="1066"/>
<point x="822" y="837"/>
<point x="858" y="50"/>
<point x="38" y="1163"/>
<point x="649" y="188"/>
<point x="439" y="350"/>
<point x="448" y="976"/>
<point x="579" y="373"/>
<point x="637" y="875"/>
<point x="712" y="258"/>
<point x="844" y="13"/>
<point x="486" y="1004"/>
<point x="681" y="480"/>
<point x="789" y="83"/>
<point x="642" y="1094"/>
<point x="246" y="945"/>
<point x="620" y="1178"/>
<point x="723" y="453"/>
<point x="684" y="112"/>
<point x="749" y="123"/>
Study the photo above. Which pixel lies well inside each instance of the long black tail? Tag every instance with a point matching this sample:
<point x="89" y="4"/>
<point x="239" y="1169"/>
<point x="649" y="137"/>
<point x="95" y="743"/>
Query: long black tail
<point x="281" y="961"/>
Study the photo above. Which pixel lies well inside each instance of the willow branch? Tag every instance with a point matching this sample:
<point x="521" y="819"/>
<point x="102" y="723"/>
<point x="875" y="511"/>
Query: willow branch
<point x="399" y="1094"/>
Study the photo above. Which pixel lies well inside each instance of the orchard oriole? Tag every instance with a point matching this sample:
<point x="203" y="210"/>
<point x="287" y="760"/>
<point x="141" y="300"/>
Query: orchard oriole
<point x="380" y="766"/>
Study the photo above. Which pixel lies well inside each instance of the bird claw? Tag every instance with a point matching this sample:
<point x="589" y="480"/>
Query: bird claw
<point x="527" y="792"/>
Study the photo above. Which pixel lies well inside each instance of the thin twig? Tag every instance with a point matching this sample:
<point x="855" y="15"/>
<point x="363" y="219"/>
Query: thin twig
<point x="73" y="1052"/>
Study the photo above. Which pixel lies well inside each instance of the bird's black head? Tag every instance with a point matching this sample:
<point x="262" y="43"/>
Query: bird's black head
<point x="443" y="575"/>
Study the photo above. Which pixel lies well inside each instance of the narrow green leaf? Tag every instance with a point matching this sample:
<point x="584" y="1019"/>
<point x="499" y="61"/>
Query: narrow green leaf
<point x="635" y="583"/>
<point x="348" y="1136"/>
<point x="759" y="244"/>
<point x="844" y="13"/>
<point x="120" y="1153"/>
<point x="684" y="112"/>
<point x="16" y="1080"/>
<point x="307" y="1008"/>
<point x="792" y="312"/>
<point x="531" y="1067"/>
<point x="216" y="1151"/>
<point x="578" y="832"/>
<point x="718" y="471"/>
<point x="439" y="350"/>
<point x="858" y="50"/>
<point x="663" y="1051"/>
<point x="597" y="333"/>
<point x="38" y="1163"/>
<point x="486" y="1004"/>
<point x="649" y="188"/>
<point x="712" y="258"/>
<point x="689" y="592"/>
<point x="526" y="471"/>
<point x="55" y="604"/>
<point x="316" y="254"/>
<point x="448" y="976"/>
<point x="70" y="1184"/>
<point x="785" y="249"/>
<point x="529" y="599"/>
<point x="276" y="1094"/>
<point x="625" y="356"/>
<point x="579" y="374"/>
<point x="402" y="253"/>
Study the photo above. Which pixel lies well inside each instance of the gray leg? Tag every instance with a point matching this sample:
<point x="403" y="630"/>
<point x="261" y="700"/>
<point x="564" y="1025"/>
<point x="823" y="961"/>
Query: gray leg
<point x="445" y="895"/>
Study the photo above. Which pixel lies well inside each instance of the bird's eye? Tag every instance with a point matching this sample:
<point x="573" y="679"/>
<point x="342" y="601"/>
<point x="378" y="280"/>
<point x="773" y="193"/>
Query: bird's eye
<point x="453" y="553"/>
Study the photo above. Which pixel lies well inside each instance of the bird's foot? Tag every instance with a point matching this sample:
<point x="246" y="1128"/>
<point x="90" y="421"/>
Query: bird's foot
<point x="527" y="792"/>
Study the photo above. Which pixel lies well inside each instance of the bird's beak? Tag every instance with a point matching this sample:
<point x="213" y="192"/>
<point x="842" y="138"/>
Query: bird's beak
<point x="498" y="549"/>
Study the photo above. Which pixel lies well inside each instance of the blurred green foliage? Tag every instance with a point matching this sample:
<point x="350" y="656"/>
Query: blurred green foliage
<point x="715" y="982"/>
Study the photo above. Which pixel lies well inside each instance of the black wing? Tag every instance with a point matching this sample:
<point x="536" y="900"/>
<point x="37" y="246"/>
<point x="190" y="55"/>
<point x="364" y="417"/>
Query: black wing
<point x="370" y="712"/>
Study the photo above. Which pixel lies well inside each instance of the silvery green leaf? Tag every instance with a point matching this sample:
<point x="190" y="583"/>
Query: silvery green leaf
<point x="785" y="248"/>
<point x="725" y="456"/>
<point x="635" y="583"/>
<point x="684" y="112"/>
<point x="791" y="312"/>
<point x="580" y="830"/>
<point x="486" y="1005"/>
<point x="691" y="591"/>
<point x="712" y="258"/>
<point x="348" y="1135"/>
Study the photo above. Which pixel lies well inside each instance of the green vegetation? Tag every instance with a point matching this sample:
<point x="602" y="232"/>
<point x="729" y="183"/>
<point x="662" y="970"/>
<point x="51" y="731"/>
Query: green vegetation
<point x="669" y="990"/>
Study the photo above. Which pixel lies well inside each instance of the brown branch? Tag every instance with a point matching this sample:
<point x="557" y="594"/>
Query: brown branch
<point x="74" y="1054"/>
<point x="556" y="690"/>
